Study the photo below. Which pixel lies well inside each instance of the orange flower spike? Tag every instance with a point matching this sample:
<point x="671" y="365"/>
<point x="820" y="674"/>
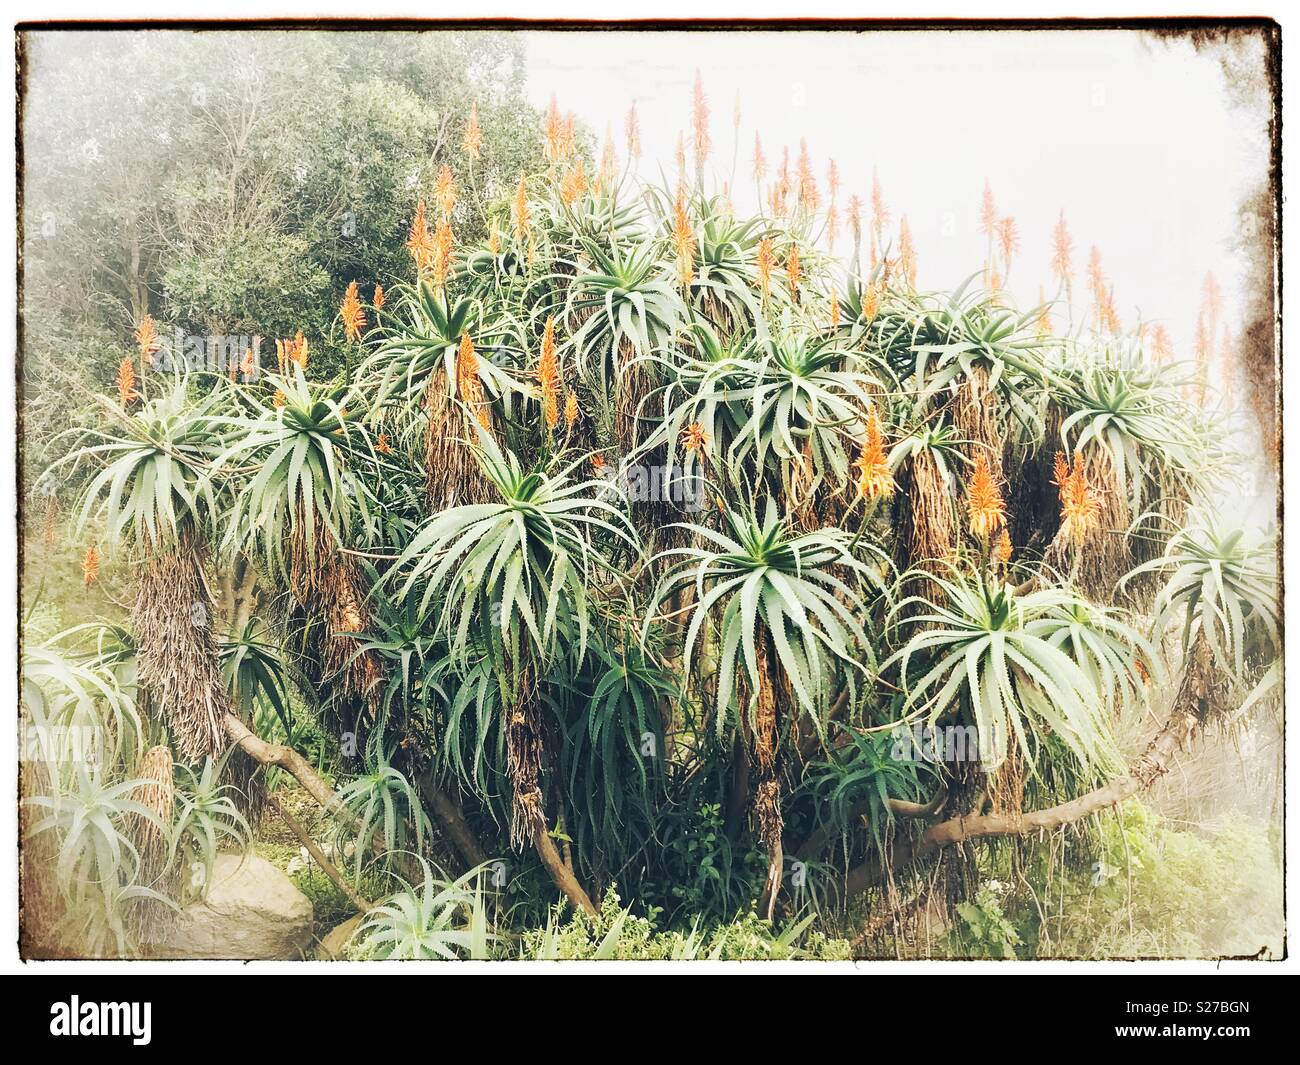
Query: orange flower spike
<point x="608" y="161"/>
<point x="126" y="381"/>
<point x="986" y="508"/>
<point x="419" y="241"/>
<point x="378" y="301"/>
<point x="683" y="237"/>
<point x="472" y="144"/>
<point x="879" y="210"/>
<point x="760" y="161"/>
<point x="90" y="567"/>
<point x="988" y="211"/>
<point x="299" y="353"/>
<point x="146" y="336"/>
<point x="1060" y="473"/>
<point x="548" y="375"/>
<point x="700" y="122"/>
<point x="1004" y="548"/>
<point x="571" y="412"/>
<point x="553" y="132"/>
<point x="793" y="273"/>
<point x="1009" y="237"/>
<point x="807" y="188"/>
<point x="443" y="254"/>
<point x="568" y="136"/>
<point x="278" y="400"/>
<point x="354" y="318"/>
<point x="519" y="214"/>
<point x="445" y="192"/>
<point x="382" y="445"/>
<point x="764" y="262"/>
<point x="1062" y="249"/>
<point x="1080" y="510"/>
<point x="695" y="439"/>
<point x="469" y="386"/>
<point x="906" y="252"/>
<point x="876" y="480"/>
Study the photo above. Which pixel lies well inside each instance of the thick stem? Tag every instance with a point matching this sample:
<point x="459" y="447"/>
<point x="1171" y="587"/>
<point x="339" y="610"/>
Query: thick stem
<point x="318" y="856"/>
<point x="452" y="817"/>
<point x="1153" y="764"/>
<point x="561" y="874"/>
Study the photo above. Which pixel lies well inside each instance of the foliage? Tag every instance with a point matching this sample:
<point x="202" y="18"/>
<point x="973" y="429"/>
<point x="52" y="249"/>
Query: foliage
<point x="474" y="497"/>
<point x="616" y="934"/>
<point x="439" y="920"/>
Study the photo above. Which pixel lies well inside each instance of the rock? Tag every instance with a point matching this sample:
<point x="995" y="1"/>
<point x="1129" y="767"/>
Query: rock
<point x="251" y="911"/>
<point x="336" y="940"/>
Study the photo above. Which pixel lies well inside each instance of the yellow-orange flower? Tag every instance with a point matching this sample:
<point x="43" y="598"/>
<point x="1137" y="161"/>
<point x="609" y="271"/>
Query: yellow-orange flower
<point x="354" y="318"/>
<point x="1060" y="472"/>
<point x="443" y="254"/>
<point x="568" y="138"/>
<point x="469" y="386"/>
<point x="126" y="381"/>
<point x="419" y="241"/>
<point x="835" y="310"/>
<point x="574" y="183"/>
<point x="146" y="336"/>
<point x="870" y="302"/>
<point x="988" y="212"/>
<point x="278" y="400"/>
<point x="763" y="264"/>
<point x="494" y="240"/>
<point x="906" y="252"/>
<point x="875" y="479"/>
<point x="879" y="211"/>
<point x="633" y="130"/>
<point x="793" y="272"/>
<point x="855" y="216"/>
<point x="984" y="502"/>
<point x="1004" y="548"/>
<point x="1062" y="249"/>
<point x="299" y="352"/>
<point x="444" y="190"/>
<point x="608" y="162"/>
<point x="597" y="463"/>
<point x="248" y="367"/>
<point x="553" y="132"/>
<point x="571" y="411"/>
<point x="1161" y="348"/>
<point x="382" y="445"/>
<point x="472" y="144"/>
<point x="378" y="301"/>
<point x="548" y="375"/>
<point x="519" y="214"/>
<point x="1080" y="509"/>
<point x="808" y="195"/>
<point x="695" y="439"/>
<point x="760" y="161"/>
<point x="700" y="122"/>
<point x="1008" y="238"/>
<point x="90" y="567"/>
<point x="683" y="237"/>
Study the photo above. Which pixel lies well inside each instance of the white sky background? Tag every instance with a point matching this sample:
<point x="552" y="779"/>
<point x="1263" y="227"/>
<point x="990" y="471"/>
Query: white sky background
<point x="1134" y="137"/>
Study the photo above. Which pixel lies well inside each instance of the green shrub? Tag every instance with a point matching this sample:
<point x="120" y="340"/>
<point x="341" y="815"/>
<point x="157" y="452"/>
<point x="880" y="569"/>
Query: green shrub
<point x="615" y="934"/>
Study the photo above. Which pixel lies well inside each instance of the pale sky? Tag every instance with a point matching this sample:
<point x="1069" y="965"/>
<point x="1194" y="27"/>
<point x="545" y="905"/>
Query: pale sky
<point x="1133" y="137"/>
